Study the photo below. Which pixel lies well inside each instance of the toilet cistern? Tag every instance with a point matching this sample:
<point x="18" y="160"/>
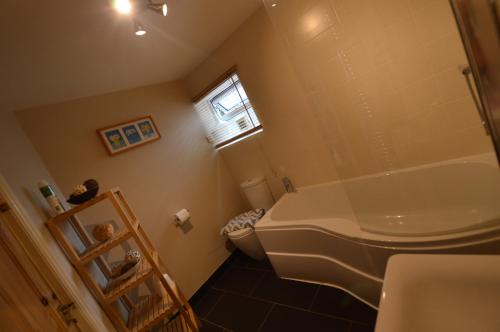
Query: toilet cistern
<point x="258" y="193"/>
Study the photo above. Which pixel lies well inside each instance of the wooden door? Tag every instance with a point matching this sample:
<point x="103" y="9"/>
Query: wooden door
<point x="26" y="302"/>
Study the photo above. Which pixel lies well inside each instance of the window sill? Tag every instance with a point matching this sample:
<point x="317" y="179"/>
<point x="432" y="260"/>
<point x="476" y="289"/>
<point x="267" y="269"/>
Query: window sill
<point x="240" y="137"/>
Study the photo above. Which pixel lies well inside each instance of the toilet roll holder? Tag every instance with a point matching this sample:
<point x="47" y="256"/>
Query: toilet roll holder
<point x="181" y="217"/>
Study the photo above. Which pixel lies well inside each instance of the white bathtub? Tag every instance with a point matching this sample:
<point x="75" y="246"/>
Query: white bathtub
<point x="342" y="233"/>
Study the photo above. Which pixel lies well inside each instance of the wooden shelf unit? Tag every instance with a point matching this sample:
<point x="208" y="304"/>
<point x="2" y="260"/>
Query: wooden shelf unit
<point x="169" y="307"/>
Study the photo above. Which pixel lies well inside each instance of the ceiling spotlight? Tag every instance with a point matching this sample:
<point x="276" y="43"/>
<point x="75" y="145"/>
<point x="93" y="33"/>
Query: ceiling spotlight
<point x="139" y="29"/>
<point x="164" y="8"/>
<point x="159" y="7"/>
<point x="122" y="6"/>
<point x="135" y="7"/>
<point x="274" y="5"/>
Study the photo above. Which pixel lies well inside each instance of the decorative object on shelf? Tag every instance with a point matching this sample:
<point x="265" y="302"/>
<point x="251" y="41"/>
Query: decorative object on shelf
<point x="51" y="197"/>
<point x="128" y="135"/>
<point x="91" y="185"/>
<point x="124" y="270"/>
<point x="103" y="232"/>
<point x="79" y="189"/>
<point x="129" y="7"/>
<point x="133" y="256"/>
<point x="128" y="267"/>
<point x="84" y="192"/>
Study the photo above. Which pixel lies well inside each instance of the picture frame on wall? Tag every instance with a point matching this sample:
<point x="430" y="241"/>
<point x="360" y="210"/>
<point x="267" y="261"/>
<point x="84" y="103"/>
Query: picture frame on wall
<point x="124" y="136"/>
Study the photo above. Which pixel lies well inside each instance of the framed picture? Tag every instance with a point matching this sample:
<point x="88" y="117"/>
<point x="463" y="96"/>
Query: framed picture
<point x="128" y="135"/>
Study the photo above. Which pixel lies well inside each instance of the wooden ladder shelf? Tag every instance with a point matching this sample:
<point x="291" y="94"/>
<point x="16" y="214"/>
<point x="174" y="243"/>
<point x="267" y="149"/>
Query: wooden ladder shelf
<point x="163" y="306"/>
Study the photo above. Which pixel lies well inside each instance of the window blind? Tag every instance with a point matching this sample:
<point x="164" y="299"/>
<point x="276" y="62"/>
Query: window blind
<point x="226" y="112"/>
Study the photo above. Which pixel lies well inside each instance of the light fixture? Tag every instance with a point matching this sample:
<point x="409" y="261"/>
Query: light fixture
<point x="139" y="29"/>
<point x="134" y="6"/>
<point x="274" y="5"/>
<point x="159" y="7"/>
<point x="122" y="6"/>
<point x="164" y="8"/>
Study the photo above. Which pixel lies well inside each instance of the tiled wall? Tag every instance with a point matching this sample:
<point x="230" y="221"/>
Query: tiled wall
<point x="292" y="143"/>
<point x="382" y="78"/>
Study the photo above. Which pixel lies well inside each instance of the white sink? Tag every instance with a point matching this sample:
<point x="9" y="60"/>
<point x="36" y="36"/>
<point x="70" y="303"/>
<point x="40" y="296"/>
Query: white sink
<point x="440" y="293"/>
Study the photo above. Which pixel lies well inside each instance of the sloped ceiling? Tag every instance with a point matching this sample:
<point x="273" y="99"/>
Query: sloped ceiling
<point x="58" y="50"/>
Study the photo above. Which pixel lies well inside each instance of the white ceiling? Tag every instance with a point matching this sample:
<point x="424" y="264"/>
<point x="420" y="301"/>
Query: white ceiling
<point x="57" y="50"/>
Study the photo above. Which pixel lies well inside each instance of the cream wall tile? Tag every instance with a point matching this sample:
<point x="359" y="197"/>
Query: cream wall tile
<point x="447" y="52"/>
<point x="434" y="20"/>
<point x="308" y="71"/>
<point x="461" y="114"/>
<point x="320" y="48"/>
<point x="410" y="59"/>
<point x="292" y="138"/>
<point x="358" y="61"/>
<point x="420" y="95"/>
<point x="337" y="71"/>
<point x="474" y="140"/>
<point x="390" y="10"/>
<point x="380" y="81"/>
<point x="419" y="4"/>
<point x="451" y="85"/>
<point x="312" y="22"/>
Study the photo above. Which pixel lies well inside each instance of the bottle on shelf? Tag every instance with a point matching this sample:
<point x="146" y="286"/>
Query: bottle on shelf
<point x="51" y="197"/>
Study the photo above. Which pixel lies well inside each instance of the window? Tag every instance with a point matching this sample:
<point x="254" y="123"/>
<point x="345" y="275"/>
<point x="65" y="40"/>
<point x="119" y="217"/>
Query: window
<point x="226" y="112"/>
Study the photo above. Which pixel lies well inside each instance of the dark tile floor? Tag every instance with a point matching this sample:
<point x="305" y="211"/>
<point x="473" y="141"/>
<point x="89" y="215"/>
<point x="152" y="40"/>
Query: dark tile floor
<point x="246" y="295"/>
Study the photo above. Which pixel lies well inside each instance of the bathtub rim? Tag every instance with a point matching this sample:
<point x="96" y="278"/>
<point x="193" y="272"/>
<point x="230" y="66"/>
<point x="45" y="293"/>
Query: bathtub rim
<point x="351" y="230"/>
<point x="487" y="158"/>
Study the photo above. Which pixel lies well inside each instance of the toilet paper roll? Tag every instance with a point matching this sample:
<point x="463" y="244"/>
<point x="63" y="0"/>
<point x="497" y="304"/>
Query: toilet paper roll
<point x="182" y="216"/>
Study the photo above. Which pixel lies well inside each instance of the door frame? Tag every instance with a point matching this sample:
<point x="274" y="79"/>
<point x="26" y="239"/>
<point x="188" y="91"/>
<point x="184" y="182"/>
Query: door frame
<point x="36" y="249"/>
<point x="38" y="293"/>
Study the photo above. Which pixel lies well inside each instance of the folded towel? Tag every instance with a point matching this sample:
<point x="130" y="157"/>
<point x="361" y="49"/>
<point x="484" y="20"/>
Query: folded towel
<point x="244" y="220"/>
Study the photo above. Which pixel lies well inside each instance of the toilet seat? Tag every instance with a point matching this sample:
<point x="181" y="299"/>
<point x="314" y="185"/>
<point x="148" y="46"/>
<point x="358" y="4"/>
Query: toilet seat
<point x="238" y="234"/>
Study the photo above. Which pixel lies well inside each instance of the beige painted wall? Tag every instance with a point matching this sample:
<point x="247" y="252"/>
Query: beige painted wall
<point x="292" y="142"/>
<point x="383" y="80"/>
<point x="179" y="171"/>
<point x="22" y="168"/>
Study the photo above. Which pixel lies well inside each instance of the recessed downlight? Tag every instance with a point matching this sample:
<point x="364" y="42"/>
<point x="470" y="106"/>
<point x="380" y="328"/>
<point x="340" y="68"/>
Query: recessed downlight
<point x="139" y="29"/>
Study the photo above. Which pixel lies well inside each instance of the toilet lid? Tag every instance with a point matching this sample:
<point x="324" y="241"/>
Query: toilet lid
<point x="240" y="232"/>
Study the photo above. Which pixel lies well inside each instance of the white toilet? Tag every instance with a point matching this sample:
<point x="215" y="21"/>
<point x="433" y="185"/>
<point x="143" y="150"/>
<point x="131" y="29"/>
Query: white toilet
<point x="259" y="195"/>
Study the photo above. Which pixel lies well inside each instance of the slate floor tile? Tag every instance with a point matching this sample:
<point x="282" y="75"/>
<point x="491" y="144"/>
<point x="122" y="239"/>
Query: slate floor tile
<point x="241" y="259"/>
<point x="239" y="280"/>
<point x="288" y="319"/>
<point x="260" y="265"/>
<point x="289" y="292"/>
<point x="361" y="328"/>
<point x="209" y="327"/>
<point x="228" y="264"/>
<point x="245" y="295"/>
<point x="335" y="302"/>
<point x="239" y="313"/>
<point x="207" y="302"/>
